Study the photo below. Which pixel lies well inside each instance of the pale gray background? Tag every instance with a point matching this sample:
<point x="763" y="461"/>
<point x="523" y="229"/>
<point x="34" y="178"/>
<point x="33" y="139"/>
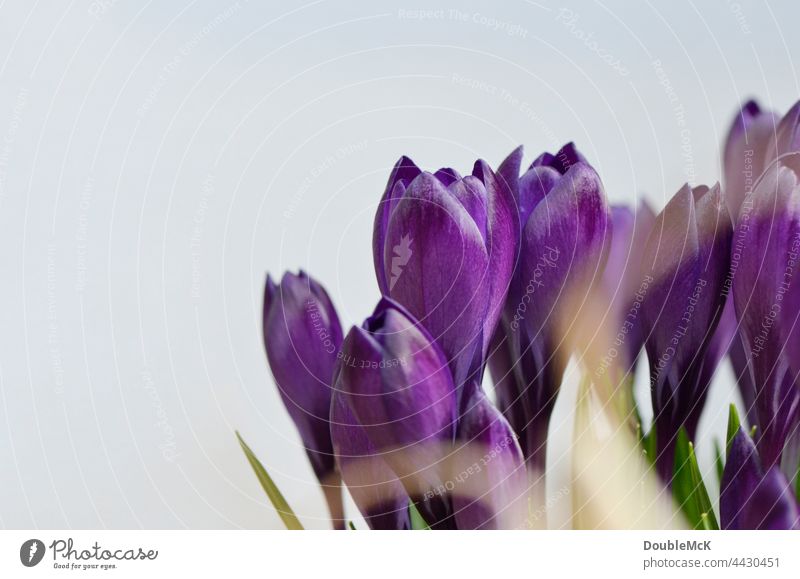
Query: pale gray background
<point x="157" y="159"/>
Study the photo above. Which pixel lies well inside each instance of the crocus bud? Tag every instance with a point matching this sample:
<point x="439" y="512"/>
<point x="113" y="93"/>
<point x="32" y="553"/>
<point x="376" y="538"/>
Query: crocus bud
<point x="751" y="498"/>
<point x="566" y="232"/>
<point x="746" y="147"/>
<point x="302" y="336"/>
<point x="377" y="492"/>
<point x="444" y="247"/>
<point x="688" y="258"/>
<point x="395" y="379"/>
<point x="765" y="254"/>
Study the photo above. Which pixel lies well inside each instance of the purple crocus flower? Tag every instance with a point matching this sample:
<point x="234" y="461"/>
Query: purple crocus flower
<point x="564" y="243"/>
<point x="750" y="137"/>
<point x="751" y="498"/>
<point x="395" y="379"/>
<point x="765" y="253"/>
<point x="302" y="336"/>
<point x="376" y="490"/>
<point x="688" y="258"/>
<point x="444" y="247"/>
<point x="460" y="470"/>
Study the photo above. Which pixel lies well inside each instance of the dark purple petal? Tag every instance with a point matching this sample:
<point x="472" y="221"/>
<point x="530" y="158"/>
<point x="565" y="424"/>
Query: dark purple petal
<point x="687" y="257"/>
<point x="502" y="245"/>
<point x="403" y="173"/>
<point x="764" y="257"/>
<point x="488" y="469"/>
<point x="740" y="478"/>
<point x="302" y="337"/>
<point x="562" y="161"/>
<point x="447" y="176"/>
<point x="374" y="487"/>
<point x="749" y="138"/>
<point x="772" y="505"/>
<point x="396" y="380"/>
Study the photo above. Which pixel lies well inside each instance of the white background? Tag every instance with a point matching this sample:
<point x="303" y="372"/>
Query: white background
<point x="157" y="159"/>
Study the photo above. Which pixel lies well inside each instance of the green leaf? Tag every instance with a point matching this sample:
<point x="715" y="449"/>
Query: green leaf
<point x="719" y="462"/>
<point x="351" y="526"/>
<point x="276" y="498"/>
<point x="688" y="488"/>
<point x="417" y="521"/>
<point x="650" y="445"/>
<point x="733" y="427"/>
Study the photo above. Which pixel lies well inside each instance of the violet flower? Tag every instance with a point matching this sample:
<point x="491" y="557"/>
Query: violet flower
<point x="395" y="379"/>
<point x="564" y="243"/>
<point x="302" y="337"/>
<point x="750" y="137"/>
<point x="687" y="256"/>
<point x="459" y="471"/>
<point x="444" y="247"/>
<point x="765" y="252"/>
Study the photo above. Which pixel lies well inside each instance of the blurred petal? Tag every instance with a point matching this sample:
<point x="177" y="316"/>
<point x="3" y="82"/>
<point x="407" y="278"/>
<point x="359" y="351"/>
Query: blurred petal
<point x="746" y="147"/>
<point x="687" y="256"/>
<point x="764" y="254"/>
<point x="374" y="487"/>
<point x="488" y="469"/>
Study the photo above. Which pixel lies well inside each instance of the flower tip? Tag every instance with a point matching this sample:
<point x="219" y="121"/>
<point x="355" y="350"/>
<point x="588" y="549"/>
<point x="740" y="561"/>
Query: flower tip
<point x="270" y="289"/>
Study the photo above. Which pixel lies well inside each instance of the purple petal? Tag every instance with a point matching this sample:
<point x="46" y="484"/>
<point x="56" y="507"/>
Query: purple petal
<point x="508" y="172"/>
<point x="773" y="505"/>
<point x="438" y="267"/>
<point x="622" y="286"/>
<point x="562" y="161"/>
<point x="447" y="176"/>
<point x="374" y="487"/>
<point x="503" y="232"/>
<point x="565" y="245"/>
<point x="488" y="469"/>
<point x="740" y="478"/>
<point x="786" y="138"/>
<point x="762" y="253"/>
<point x="403" y="173"/>
<point x="749" y="138"/>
